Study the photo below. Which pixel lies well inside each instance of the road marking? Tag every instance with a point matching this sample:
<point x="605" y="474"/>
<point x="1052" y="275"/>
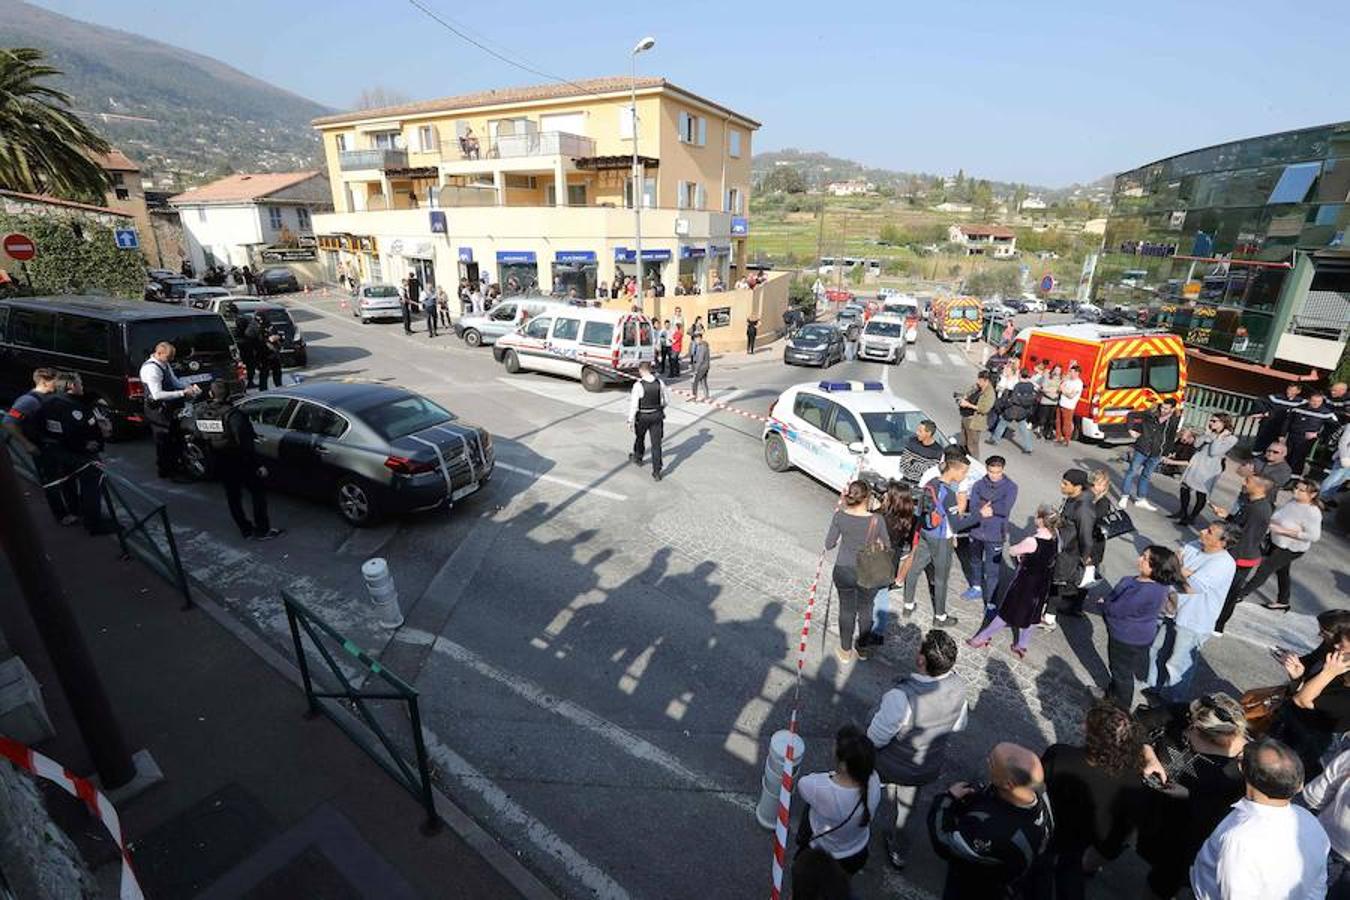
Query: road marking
<point x="957" y="359"/>
<point x="599" y="492"/>
<point x="579" y="867"/>
<point x="620" y="737"/>
<point x="933" y="358"/>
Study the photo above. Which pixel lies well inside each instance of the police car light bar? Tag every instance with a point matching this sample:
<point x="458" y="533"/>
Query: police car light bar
<point x="832" y="386"/>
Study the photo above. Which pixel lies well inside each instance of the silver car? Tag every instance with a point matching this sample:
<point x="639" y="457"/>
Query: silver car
<point x="479" y="329"/>
<point x="369" y="449"/>
<point x="884" y="338"/>
<point x="377" y="301"/>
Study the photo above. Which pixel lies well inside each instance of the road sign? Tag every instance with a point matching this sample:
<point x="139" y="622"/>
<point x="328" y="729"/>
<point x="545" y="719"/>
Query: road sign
<point x="20" y="247"/>
<point x="1047" y="284"/>
<point x="126" y="238"/>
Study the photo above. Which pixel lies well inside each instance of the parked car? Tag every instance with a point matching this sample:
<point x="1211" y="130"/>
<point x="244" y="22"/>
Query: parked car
<point x="838" y="295"/>
<point x="276" y="320"/>
<point x="105" y="340"/>
<point x="377" y="301"/>
<point x="508" y="315"/>
<point x="1031" y="304"/>
<point x="206" y="297"/>
<point x="1059" y="305"/>
<point x="884" y="338"/>
<point x="171" y="289"/>
<point x="368" y="449"/>
<point x="814" y="345"/>
<point x="276" y="280"/>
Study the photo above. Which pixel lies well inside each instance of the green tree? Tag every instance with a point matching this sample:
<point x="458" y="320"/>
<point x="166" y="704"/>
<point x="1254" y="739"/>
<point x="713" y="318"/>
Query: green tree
<point x="1019" y="197"/>
<point x="785" y="179"/>
<point x="1003" y="279"/>
<point x="891" y="235"/>
<point x="982" y="198"/>
<point x="44" y="146"/>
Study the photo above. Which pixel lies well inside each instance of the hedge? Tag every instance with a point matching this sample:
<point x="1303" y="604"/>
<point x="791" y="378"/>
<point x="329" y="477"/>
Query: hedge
<point x="75" y="255"/>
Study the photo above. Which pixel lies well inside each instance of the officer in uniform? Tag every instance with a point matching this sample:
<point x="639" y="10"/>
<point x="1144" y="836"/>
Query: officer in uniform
<point x="23" y="423"/>
<point x="229" y="435"/>
<point x="74" y="430"/>
<point x="647" y="404"/>
<point x="165" y="395"/>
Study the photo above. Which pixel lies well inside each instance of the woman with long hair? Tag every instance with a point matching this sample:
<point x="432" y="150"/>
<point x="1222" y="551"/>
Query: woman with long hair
<point x="854" y="528"/>
<point x="1132" y="613"/>
<point x="1294" y="528"/>
<point x="836" y="829"/>
<point x="1318" y="709"/>
<point x="1024" y="601"/>
<point x="897" y="510"/>
<point x="1049" y="402"/>
<point x="1205" y="466"/>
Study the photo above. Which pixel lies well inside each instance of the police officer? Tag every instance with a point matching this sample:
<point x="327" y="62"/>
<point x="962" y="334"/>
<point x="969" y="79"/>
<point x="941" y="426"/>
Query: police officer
<point x="23" y="423"/>
<point x="647" y="404"/>
<point x="165" y="395"/>
<point x="74" y="430"/>
<point x="229" y="435"/>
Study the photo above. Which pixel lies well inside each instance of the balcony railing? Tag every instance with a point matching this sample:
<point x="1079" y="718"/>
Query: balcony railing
<point x="350" y="160"/>
<point x="517" y="146"/>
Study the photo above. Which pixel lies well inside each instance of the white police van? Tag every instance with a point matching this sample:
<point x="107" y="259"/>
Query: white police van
<point x="837" y="431"/>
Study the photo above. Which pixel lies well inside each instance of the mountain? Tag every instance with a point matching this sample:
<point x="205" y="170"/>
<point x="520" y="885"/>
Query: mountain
<point x="184" y="117"/>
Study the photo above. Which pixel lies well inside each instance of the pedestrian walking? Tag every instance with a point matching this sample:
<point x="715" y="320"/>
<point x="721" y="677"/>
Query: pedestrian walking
<point x="23" y="423"/>
<point x="1205" y="467"/>
<point x="165" y="395"/>
<point x="1023" y="605"/>
<point x="1208" y="568"/>
<point x="1076" y="523"/>
<point x="859" y="533"/>
<point x="1307" y="425"/>
<point x="1131" y="613"/>
<point x="1274" y="415"/>
<point x="1070" y="392"/>
<point x="1294" y="528"/>
<point x="974" y="408"/>
<point x="1328" y="797"/>
<point x="897" y="511"/>
<point x="1048" y="402"/>
<point x="662" y="337"/>
<point x="676" y="348"/>
<point x="1252" y="519"/>
<point x="647" y="403"/>
<point x="443" y="307"/>
<point x="230" y="439"/>
<point x="911" y="730"/>
<point x="751" y="330"/>
<point x="1265" y="847"/>
<point x="250" y="279"/>
<point x="428" y="302"/>
<point x="74" y="432"/>
<point x="993" y="497"/>
<point x="836" y="827"/>
<point x="700" y="362"/>
<point x="1016" y="411"/>
<point x="942" y="513"/>
<point x="1153" y="431"/>
<point x="994" y="837"/>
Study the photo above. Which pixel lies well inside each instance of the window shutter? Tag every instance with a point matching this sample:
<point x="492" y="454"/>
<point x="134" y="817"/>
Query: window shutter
<point x="626" y="123"/>
<point x="684" y="128"/>
<point x="702" y="131"/>
<point x="700" y="197"/>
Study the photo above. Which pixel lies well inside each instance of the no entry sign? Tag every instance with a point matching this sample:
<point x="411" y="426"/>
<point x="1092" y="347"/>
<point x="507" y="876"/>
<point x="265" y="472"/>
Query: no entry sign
<point x="20" y="247"/>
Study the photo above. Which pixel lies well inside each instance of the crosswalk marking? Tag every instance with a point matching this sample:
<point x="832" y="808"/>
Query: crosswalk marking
<point x="934" y="359"/>
<point x="957" y="359"/>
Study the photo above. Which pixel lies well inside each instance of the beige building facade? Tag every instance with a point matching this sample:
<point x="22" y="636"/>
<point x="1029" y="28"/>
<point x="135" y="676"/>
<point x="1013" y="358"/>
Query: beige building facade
<point x="126" y="195"/>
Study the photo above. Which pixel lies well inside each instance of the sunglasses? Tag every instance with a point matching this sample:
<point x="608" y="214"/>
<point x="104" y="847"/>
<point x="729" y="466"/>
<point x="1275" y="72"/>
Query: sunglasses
<point x="1220" y="713"/>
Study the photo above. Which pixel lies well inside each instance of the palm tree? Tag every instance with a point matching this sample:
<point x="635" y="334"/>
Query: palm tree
<point x="44" y="147"/>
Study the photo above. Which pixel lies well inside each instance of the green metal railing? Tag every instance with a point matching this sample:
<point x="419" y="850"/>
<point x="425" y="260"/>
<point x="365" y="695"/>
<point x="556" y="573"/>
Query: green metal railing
<point x="414" y="777"/>
<point x="1201" y="402"/>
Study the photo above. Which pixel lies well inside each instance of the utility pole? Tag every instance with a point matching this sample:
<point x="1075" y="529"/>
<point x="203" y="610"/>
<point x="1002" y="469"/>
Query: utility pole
<point x="820" y="231"/>
<point x="55" y="621"/>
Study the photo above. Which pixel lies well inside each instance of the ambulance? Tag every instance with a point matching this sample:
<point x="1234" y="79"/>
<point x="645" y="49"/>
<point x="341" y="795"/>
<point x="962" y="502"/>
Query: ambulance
<point x="956" y="318"/>
<point x="1125" y="369"/>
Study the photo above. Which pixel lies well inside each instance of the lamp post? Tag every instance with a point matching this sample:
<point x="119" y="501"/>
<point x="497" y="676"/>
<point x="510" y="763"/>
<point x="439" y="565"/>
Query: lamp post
<point x="643" y="45"/>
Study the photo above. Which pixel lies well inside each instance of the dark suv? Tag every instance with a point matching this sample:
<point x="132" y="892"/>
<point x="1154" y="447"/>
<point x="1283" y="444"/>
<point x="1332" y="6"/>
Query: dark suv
<point x="105" y="341"/>
<point x="276" y="280"/>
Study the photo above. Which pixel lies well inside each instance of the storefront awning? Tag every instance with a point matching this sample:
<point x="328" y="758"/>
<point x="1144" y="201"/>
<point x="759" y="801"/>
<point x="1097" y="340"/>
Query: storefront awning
<point x="412" y="172"/>
<point x="623" y="254"/>
<point x="688" y="252"/>
<point x="515" y="257"/>
<point x="600" y="163"/>
<point x="574" y="256"/>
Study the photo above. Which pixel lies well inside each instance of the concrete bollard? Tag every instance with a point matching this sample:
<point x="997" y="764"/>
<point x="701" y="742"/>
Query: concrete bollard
<point x="767" y="811"/>
<point x="383" y="594"/>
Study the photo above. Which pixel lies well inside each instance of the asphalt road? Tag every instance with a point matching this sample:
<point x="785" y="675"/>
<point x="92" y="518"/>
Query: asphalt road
<point x="602" y="659"/>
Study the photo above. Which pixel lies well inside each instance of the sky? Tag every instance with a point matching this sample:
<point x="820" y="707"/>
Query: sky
<point x="1042" y="92"/>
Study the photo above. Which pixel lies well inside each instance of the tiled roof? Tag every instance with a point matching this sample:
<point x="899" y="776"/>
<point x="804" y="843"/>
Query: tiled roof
<point x="57" y="201"/>
<point x="528" y="94"/>
<point x="115" y="161"/>
<point x="241" y="188"/>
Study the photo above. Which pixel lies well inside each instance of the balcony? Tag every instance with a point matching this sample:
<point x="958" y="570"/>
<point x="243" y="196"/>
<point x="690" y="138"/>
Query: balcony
<point x="521" y="146"/>
<point x="355" y="160"/>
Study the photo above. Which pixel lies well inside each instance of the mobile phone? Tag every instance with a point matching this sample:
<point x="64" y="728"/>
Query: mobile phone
<point x="1279" y="653"/>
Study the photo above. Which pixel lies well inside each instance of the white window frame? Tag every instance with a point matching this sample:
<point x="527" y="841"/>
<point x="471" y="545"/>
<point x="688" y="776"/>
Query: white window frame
<point x="302" y="217"/>
<point x="693" y="129"/>
<point x="426" y="138"/>
<point x="201" y="214"/>
<point x="648" y="192"/>
<point x="341" y="142"/>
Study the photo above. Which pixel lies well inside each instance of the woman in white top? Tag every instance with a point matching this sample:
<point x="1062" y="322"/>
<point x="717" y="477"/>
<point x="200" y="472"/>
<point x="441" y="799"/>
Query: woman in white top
<point x="1294" y="528"/>
<point x="836" y="830"/>
<point x="1205" y="466"/>
<point x="1070" y="389"/>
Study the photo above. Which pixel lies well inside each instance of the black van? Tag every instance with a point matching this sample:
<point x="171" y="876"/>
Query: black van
<point x="105" y="341"/>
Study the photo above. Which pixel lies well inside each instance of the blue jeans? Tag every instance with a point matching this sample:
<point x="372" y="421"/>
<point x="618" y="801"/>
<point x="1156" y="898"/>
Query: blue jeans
<point x="1138" y="475"/>
<point x="1179" y="664"/>
<point x="881" y="611"/>
<point x="1335" y="478"/>
<point x="1338" y="877"/>
<point x="1023" y="431"/>
<point x="986" y="560"/>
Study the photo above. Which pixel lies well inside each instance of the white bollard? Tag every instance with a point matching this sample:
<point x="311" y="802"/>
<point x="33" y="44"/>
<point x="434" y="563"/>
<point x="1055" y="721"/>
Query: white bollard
<point x="767" y="811"/>
<point x="383" y="594"/>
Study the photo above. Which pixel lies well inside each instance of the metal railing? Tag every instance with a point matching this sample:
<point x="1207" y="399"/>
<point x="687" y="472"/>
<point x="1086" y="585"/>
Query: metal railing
<point x="414" y="777"/>
<point x="515" y="146"/>
<point x="349" y="160"/>
<point x="1201" y="402"/>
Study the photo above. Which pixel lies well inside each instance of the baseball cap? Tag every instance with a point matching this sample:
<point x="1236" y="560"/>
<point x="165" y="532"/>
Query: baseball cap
<point x="1076" y="476"/>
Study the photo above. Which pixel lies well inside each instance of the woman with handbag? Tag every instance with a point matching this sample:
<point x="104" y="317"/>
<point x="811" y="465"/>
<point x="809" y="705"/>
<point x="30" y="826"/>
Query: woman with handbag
<point x="897" y="509"/>
<point x="1024" y="601"/>
<point x="1205" y="466"/>
<point x="1192" y="761"/>
<point x="863" y="565"/>
<point x="836" y="826"/>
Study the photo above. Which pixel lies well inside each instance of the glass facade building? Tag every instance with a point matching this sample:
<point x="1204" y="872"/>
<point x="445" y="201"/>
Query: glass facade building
<point x="1239" y="248"/>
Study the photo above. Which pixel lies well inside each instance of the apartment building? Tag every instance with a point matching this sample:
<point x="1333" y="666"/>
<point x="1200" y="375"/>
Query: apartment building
<point x="533" y="187"/>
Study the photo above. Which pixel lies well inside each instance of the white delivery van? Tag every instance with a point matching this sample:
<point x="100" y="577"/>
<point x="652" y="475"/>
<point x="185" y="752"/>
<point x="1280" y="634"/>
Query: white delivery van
<point x="594" y="346"/>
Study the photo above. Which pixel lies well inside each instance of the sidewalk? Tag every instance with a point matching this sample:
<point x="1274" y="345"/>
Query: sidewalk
<point x="257" y="800"/>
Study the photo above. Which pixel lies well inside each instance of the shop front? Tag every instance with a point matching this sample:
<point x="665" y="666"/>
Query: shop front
<point x="517" y="271"/>
<point x="577" y="270"/>
<point x="355" y="255"/>
<point x="653" y="264"/>
<point x="468" y="268"/>
<point x="419" y="258"/>
<point x="690" y="279"/>
<point x="719" y="265"/>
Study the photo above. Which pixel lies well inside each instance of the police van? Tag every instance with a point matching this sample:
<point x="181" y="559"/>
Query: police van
<point x="837" y="431"/>
<point x="594" y="346"/>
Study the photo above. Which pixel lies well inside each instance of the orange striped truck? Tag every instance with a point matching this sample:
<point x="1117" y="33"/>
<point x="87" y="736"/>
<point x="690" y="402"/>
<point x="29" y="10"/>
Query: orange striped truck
<point x="1125" y="369"/>
<point x="956" y="318"/>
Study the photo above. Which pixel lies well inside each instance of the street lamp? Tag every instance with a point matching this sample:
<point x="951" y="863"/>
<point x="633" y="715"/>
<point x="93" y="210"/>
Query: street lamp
<point x="643" y="45"/>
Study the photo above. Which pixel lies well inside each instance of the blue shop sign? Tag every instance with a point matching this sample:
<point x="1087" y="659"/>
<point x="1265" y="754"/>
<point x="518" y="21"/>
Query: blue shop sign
<point x="438" y="224"/>
<point x="687" y="252"/>
<point x="719" y="249"/>
<point x="740" y="225"/>
<point x="623" y="254"/>
<point x="466" y="254"/>
<point x="574" y="256"/>
<point x="515" y="257"/>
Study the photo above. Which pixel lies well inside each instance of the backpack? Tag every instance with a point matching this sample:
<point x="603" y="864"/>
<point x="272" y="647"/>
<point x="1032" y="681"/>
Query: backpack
<point x="931" y="513"/>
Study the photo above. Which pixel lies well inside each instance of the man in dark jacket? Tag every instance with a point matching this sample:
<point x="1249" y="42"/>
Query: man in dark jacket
<point x="1015" y="410"/>
<point x="73" y="436"/>
<point x="1274" y="415"/>
<point x="1253" y="518"/>
<point x="992" y="497"/>
<point x="1307" y="425"/>
<point x="229" y="435"/>
<point x="1075" y="546"/>
<point x="1154" y="432"/>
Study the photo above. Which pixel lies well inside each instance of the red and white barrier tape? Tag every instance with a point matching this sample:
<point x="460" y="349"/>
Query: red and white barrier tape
<point x="44" y="767"/>
<point x="718" y="404"/>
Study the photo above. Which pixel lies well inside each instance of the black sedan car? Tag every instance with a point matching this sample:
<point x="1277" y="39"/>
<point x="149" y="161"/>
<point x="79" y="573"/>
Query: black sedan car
<point x="368" y="449"/>
<point x="276" y="280"/>
<point x="815" y="345"/>
<point x="276" y="319"/>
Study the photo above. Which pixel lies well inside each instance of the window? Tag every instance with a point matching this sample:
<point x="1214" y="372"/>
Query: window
<point x="302" y="216"/>
<point x="538" y="328"/>
<point x="117" y="178"/>
<point x="504" y="312"/>
<point x="891" y="430"/>
<point x="32" y="328"/>
<point x="566" y="329"/>
<point x="311" y="418"/>
<point x="267" y="410"/>
<point x="733" y="202"/>
<point x="598" y="334"/>
<point x="845" y="428"/>
<point x="1294" y="183"/>
<point x="426" y="138"/>
<point x="79" y="336"/>
<point x="576" y="195"/>
<point x="693" y="129"/>
<point x="1125" y="374"/>
<point x="407" y="415"/>
<point x="122" y="193"/>
<point x="812" y="410"/>
<point x="689" y="195"/>
<point x="387" y="140"/>
<point x="733" y="142"/>
<point x="274" y="216"/>
<point x="341" y="143"/>
<point x="648" y="193"/>
<point x="1164" y="374"/>
<point x="376" y="271"/>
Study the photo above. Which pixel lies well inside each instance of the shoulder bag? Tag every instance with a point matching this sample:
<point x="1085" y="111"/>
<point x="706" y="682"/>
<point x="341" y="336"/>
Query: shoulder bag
<point x="874" y="565"/>
<point x="805" y="837"/>
<point x="1115" y="523"/>
<point x="1259" y="705"/>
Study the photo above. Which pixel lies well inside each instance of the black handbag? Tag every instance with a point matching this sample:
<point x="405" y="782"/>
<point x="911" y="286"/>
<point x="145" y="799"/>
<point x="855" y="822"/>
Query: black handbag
<point x="874" y="566"/>
<point x="1114" y="524"/>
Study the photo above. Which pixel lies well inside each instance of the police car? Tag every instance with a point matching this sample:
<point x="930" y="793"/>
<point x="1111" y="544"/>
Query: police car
<point x="837" y="431"/>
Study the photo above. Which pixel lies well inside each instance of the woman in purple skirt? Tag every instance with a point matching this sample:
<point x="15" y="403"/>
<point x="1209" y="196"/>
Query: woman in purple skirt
<point x="1025" y="598"/>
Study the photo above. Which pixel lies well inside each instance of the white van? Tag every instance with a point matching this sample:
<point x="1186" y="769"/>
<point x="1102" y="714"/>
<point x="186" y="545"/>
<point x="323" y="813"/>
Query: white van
<point x="905" y="307"/>
<point x="594" y="346"/>
<point x="502" y="319"/>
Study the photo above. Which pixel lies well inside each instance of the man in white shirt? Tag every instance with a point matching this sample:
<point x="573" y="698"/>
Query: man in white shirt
<point x="1329" y="793"/>
<point x="164" y="396"/>
<point x="1209" y="569"/>
<point x="1265" y="848"/>
<point x="647" y="403"/>
<point x="911" y="729"/>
